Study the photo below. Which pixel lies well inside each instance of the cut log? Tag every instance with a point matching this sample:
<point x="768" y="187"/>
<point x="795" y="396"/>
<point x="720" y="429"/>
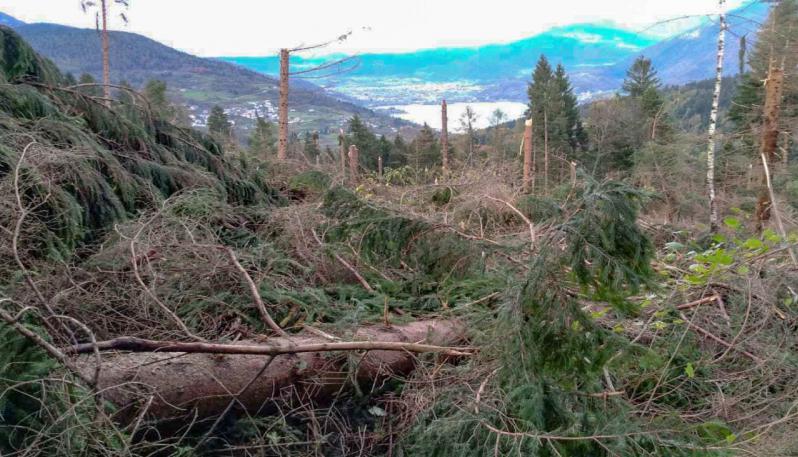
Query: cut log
<point x="203" y="384"/>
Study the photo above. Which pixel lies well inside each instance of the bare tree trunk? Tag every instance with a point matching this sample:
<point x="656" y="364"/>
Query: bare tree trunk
<point x="184" y="383"/>
<point x="282" y="146"/>
<point x="353" y="164"/>
<point x="713" y="120"/>
<point x="342" y="151"/>
<point x="444" y="137"/>
<point x="379" y="166"/>
<point x="106" y="54"/>
<point x="546" y="151"/>
<point x="528" y="178"/>
<point x="769" y="143"/>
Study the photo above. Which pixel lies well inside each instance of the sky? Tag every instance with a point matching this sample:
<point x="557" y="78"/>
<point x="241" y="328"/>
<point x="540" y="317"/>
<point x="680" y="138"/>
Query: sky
<point x="260" y="27"/>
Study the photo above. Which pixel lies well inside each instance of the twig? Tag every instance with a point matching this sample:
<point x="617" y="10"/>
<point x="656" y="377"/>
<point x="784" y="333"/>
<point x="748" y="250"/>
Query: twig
<point x="719" y="340"/>
<point x="529" y="223"/>
<point x="133" y="344"/>
<point x="346" y="264"/>
<point x="49" y="348"/>
<point x="253" y="289"/>
<point x="779" y="222"/>
<point x="702" y="301"/>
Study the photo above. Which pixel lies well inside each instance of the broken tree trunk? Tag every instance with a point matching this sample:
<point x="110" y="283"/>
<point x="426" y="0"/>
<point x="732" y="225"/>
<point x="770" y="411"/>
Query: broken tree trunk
<point x="353" y="163"/>
<point x="444" y="137"/>
<point x="106" y="45"/>
<point x="528" y="178"/>
<point x="282" y="112"/>
<point x="180" y="384"/>
<point x="342" y="151"/>
<point x="770" y="138"/>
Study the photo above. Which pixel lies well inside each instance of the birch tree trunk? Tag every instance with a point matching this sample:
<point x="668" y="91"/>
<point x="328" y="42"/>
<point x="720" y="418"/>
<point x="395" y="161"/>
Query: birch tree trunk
<point x="713" y="120"/>
<point x="282" y="146"/>
<point x="444" y="137"/>
<point x="106" y="46"/>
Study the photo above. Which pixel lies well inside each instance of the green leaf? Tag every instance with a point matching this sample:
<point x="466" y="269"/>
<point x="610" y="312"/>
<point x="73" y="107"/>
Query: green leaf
<point x="674" y="246"/>
<point x="753" y="244"/>
<point x="689" y="370"/>
<point x="731" y="438"/>
<point x="743" y="270"/>
<point x="732" y="222"/>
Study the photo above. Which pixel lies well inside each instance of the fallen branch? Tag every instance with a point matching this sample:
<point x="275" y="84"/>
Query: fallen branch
<point x="253" y="289"/>
<point x="132" y="344"/>
<point x="719" y="340"/>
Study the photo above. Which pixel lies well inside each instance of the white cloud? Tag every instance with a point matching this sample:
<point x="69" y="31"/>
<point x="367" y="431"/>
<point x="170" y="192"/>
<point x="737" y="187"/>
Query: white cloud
<point x="259" y="27"/>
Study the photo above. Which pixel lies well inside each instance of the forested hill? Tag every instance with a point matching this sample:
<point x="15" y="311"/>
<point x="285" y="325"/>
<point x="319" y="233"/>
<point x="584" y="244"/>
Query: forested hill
<point x="197" y="82"/>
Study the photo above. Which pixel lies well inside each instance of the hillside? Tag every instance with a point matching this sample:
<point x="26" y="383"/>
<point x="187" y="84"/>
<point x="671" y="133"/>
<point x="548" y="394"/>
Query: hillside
<point x="196" y="82"/>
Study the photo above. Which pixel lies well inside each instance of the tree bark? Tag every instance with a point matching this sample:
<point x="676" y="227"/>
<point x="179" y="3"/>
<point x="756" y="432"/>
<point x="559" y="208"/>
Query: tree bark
<point x="769" y="143"/>
<point x="444" y="137"/>
<point x="713" y="120"/>
<point x="183" y="384"/>
<point x="528" y="177"/>
<point x="106" y="45"/>
<point x="282" y="146"/>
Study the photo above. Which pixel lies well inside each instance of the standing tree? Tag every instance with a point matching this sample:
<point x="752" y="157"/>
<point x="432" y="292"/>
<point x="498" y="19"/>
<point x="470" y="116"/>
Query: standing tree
<point x="640" y="77"/>
<point x="497" y="118"/>
<point x="468" y="122"/>
<point x="219" y="124"/>
<point x="285" y="74"/>
<point x="444" y="137"/>
<point x="101" y="20"/>
<point x="262" y="140"/>
<point x="713" y="119"/>
<point x="570" y="133"/>
<point x="541" y="96"/>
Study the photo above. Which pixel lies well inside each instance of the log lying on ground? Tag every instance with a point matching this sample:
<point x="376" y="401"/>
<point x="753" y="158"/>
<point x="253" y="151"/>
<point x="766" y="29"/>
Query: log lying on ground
<point x="203" y="382"/>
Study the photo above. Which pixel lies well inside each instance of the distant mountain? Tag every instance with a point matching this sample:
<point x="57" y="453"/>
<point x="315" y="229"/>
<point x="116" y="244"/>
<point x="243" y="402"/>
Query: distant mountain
<point x="195" y="81"/>
<point x="595" y="56"/>
<point x="468" y="74"/>
<point x="9" y="21"/>
<point x="692" y="56"/>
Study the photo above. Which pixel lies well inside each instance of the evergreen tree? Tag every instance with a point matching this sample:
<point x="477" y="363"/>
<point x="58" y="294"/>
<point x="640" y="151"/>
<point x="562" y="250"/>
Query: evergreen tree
<point x="155" y="92"/>
<point x="263" y="141"/>
<point x="311" y="145"/>
<point x="571" y="131"/>
<point x="641" y="77"/>
<point x="218" y="123"/>
<point x="426" y="149"/>
<point x="366" y="142"/>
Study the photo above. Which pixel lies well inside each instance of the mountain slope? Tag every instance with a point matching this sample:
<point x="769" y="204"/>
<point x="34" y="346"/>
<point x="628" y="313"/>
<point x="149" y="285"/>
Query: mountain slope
<point x="198" y="82"/>
<point x="468" y="74"/>
<point x="595" y="56"/>
<point x="9" y="21"/>
<point x="692" y="55"/>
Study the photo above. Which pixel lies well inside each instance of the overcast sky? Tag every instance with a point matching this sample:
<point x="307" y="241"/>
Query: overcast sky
<point x="260" y="27"/>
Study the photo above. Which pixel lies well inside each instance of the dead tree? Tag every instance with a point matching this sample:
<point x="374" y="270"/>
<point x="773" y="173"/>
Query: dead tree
<point x="529" y="178"/>
<point x="444" y="137"/>
<point x="282" y="110"/>
<point x="101" y="19"/>
<point x="342" y="150"/>
<point x="713" y="119"/>
<point x="204" y="378"/>
<point x="285" y="75"/>
<point x="353" y="163"/>
<point x="774" y="88"/>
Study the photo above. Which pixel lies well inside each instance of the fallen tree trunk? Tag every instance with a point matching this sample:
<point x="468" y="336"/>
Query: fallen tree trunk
<point x="174" y="384"/>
